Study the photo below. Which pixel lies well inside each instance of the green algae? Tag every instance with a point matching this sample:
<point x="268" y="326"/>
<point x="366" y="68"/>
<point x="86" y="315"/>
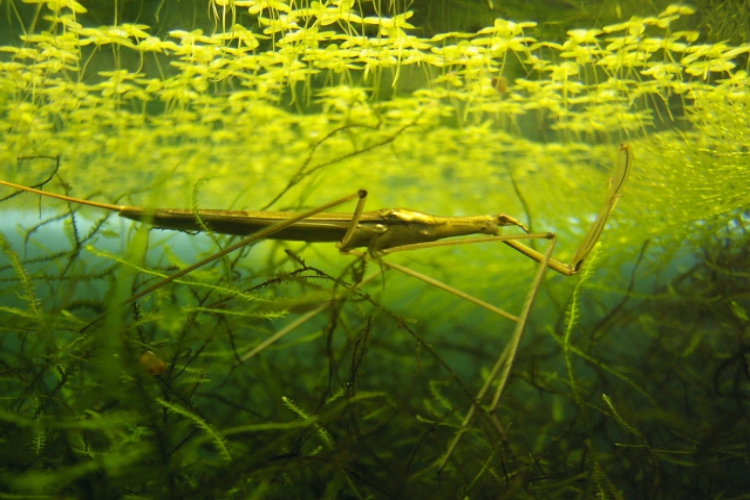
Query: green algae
<point x="631" y="383"/>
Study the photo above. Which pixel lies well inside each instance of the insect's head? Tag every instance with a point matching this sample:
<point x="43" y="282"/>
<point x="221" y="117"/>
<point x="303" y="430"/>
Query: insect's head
<point x="507" y="220"/>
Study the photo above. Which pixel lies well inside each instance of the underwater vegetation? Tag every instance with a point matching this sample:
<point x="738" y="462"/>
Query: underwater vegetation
<point x="631" y="379"/>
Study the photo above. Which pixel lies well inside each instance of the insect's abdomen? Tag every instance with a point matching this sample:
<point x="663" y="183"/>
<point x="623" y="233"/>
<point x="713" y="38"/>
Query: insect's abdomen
<point x="237" y="222"/>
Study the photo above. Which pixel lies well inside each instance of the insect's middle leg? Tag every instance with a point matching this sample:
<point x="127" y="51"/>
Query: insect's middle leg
<point x="355" y="220"/>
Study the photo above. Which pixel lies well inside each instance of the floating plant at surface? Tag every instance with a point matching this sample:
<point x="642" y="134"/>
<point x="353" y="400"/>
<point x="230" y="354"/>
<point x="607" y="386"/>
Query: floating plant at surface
<point x="631" y="382"/>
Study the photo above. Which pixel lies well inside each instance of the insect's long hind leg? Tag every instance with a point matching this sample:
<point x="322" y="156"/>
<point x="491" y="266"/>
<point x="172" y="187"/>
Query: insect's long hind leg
<point x="504" y="361"/>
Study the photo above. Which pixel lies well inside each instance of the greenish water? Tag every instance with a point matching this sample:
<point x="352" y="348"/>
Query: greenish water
<point x="630" y="379"/>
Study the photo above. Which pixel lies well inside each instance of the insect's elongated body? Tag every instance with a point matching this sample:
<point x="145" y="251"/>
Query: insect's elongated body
<point x="377" y="230"/>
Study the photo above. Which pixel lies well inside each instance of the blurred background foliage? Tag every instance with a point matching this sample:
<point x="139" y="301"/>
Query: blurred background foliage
<point x="631" y="382"/>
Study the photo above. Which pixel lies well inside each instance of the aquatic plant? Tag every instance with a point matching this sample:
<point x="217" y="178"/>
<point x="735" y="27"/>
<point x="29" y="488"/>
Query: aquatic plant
<point x="631" y="382"/>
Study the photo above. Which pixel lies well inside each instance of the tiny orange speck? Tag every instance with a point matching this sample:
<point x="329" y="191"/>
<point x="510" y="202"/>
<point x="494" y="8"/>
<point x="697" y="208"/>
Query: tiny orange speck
<point x="154" y="365"/>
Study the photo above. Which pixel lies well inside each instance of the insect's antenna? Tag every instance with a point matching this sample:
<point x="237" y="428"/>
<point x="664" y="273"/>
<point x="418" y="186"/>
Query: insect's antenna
<point x="615" y="191"/>
<point x="105" y="206"/>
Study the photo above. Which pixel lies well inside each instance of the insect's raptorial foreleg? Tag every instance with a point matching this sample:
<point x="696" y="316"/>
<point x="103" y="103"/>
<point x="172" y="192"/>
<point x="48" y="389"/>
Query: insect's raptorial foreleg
<point x="592" y="236"/>
<point x="512" y="241"/>
<point x="466" y="241"/>
<point x="617" y="182"/>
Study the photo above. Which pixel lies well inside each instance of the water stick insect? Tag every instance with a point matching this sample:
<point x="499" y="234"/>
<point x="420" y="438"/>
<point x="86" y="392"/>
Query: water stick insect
<point x="381" y="232"/>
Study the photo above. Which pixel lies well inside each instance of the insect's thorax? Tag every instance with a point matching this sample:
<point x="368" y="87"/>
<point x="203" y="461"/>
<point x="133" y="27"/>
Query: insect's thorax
<point x="400" y="227"/>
